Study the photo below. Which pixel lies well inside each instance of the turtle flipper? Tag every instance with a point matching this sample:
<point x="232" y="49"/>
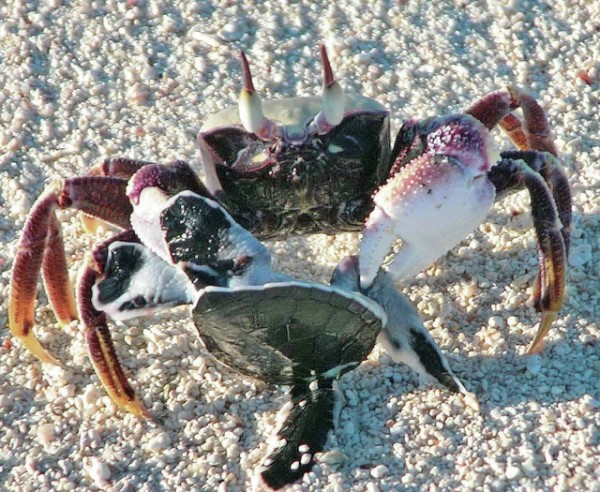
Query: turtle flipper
<point x="136" y="282"/>
<point x="303" y="433"/>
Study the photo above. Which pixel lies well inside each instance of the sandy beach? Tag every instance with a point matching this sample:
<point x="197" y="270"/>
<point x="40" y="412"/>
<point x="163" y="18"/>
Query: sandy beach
<point x="80" y="82"/>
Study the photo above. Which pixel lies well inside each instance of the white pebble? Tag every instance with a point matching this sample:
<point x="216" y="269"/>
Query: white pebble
<point x="305" y="458"/>
<point x="232" y="31"/>
<point x="45" y="433"/>
<point x="91" y="395"/>
<point x="379" y="471"/>
<point x="512" y="472"/>
<point x="98" y="471"/>
<point x="5" y="401"/>
<point x="534" y="364"/>
<point x="159" y="443"/>
<point x="580" y="255"/>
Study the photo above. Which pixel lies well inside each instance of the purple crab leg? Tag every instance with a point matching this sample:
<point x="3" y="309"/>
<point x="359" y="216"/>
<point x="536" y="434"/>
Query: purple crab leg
<point x="493" y="107"/>
<point x="118" y="167"/>
<point x="536" y="131"/>
<point x="519" y="169"/>
<point x="100" y="345"/>
<point x="536" y="167"/>
<point x="171" y="179"/>
<point x="41" y="249"/>
<point x="55" y="274"/>
<point x="549" y="167"/>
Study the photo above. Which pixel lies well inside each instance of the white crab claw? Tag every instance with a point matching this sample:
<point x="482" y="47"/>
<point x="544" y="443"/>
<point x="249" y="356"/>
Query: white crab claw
<point x="431" y="205"/>
<point x="375" y="245"/>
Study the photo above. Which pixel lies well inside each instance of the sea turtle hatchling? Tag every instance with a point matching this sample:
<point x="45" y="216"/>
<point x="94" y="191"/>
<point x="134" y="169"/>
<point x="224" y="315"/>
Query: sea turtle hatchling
<point x="255" y="320"/>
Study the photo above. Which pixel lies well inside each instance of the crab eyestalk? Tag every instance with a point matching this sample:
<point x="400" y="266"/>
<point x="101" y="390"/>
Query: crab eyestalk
<point x="333" y="98"/>
<point x="250" y="107"/>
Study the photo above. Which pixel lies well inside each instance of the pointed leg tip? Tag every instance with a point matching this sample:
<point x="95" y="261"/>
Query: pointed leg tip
<point x="471" y="401"/>
<point x="536" y="346"/>
<point x="65" y="320"/>
<point x="137" y="409"/>
<point x="35" y="347"/>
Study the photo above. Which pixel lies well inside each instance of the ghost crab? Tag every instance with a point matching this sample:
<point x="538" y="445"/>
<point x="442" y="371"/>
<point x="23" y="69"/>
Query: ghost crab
<point x="301" y="166"/>
<point x="324" y="166"/>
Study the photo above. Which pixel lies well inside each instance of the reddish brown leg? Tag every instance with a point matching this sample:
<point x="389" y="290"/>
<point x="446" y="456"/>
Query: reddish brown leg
<point x="100" y="345"/>
<point x="56" y="276"/>
<point x="536" y="167"/>
<point x="25" y="273"/>
<point x="534" y="133"/>
<point x="518" y="169"/>
<point x="536" y="127"/>
<point x="119" y="167"/>
<point x="41" y="248"/>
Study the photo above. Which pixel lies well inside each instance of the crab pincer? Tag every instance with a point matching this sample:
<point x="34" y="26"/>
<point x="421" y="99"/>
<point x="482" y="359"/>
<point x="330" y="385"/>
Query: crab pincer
<point x="443" y="183"/>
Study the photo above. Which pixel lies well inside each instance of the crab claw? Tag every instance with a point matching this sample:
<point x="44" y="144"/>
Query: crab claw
<point x="535" y="166"/>
<point x="443" y="185"/>
<point x="431" y="203"/>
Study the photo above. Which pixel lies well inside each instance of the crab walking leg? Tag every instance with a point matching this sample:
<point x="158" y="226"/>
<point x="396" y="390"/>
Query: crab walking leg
<point x="101" y="349"/>
<point x="25" y="274"/>
<point x="95" y="328"/>
<point x="552" y="251"/>
<point x="537" y="128"/>
<point x="536" y="137"/>
<point x="118" y="167"/>
<point x="312" y="415"/>
<point x="493" y="107"/>
<point x="55" y="274"/>
<point x="531" y="134"/>
<point x="513" y="128"/>
<point x="550" y="169"/>
<point x="41" y="249"/>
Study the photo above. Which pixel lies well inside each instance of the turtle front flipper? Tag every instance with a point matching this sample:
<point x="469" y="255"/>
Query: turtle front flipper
<point x="303" y="433"/>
